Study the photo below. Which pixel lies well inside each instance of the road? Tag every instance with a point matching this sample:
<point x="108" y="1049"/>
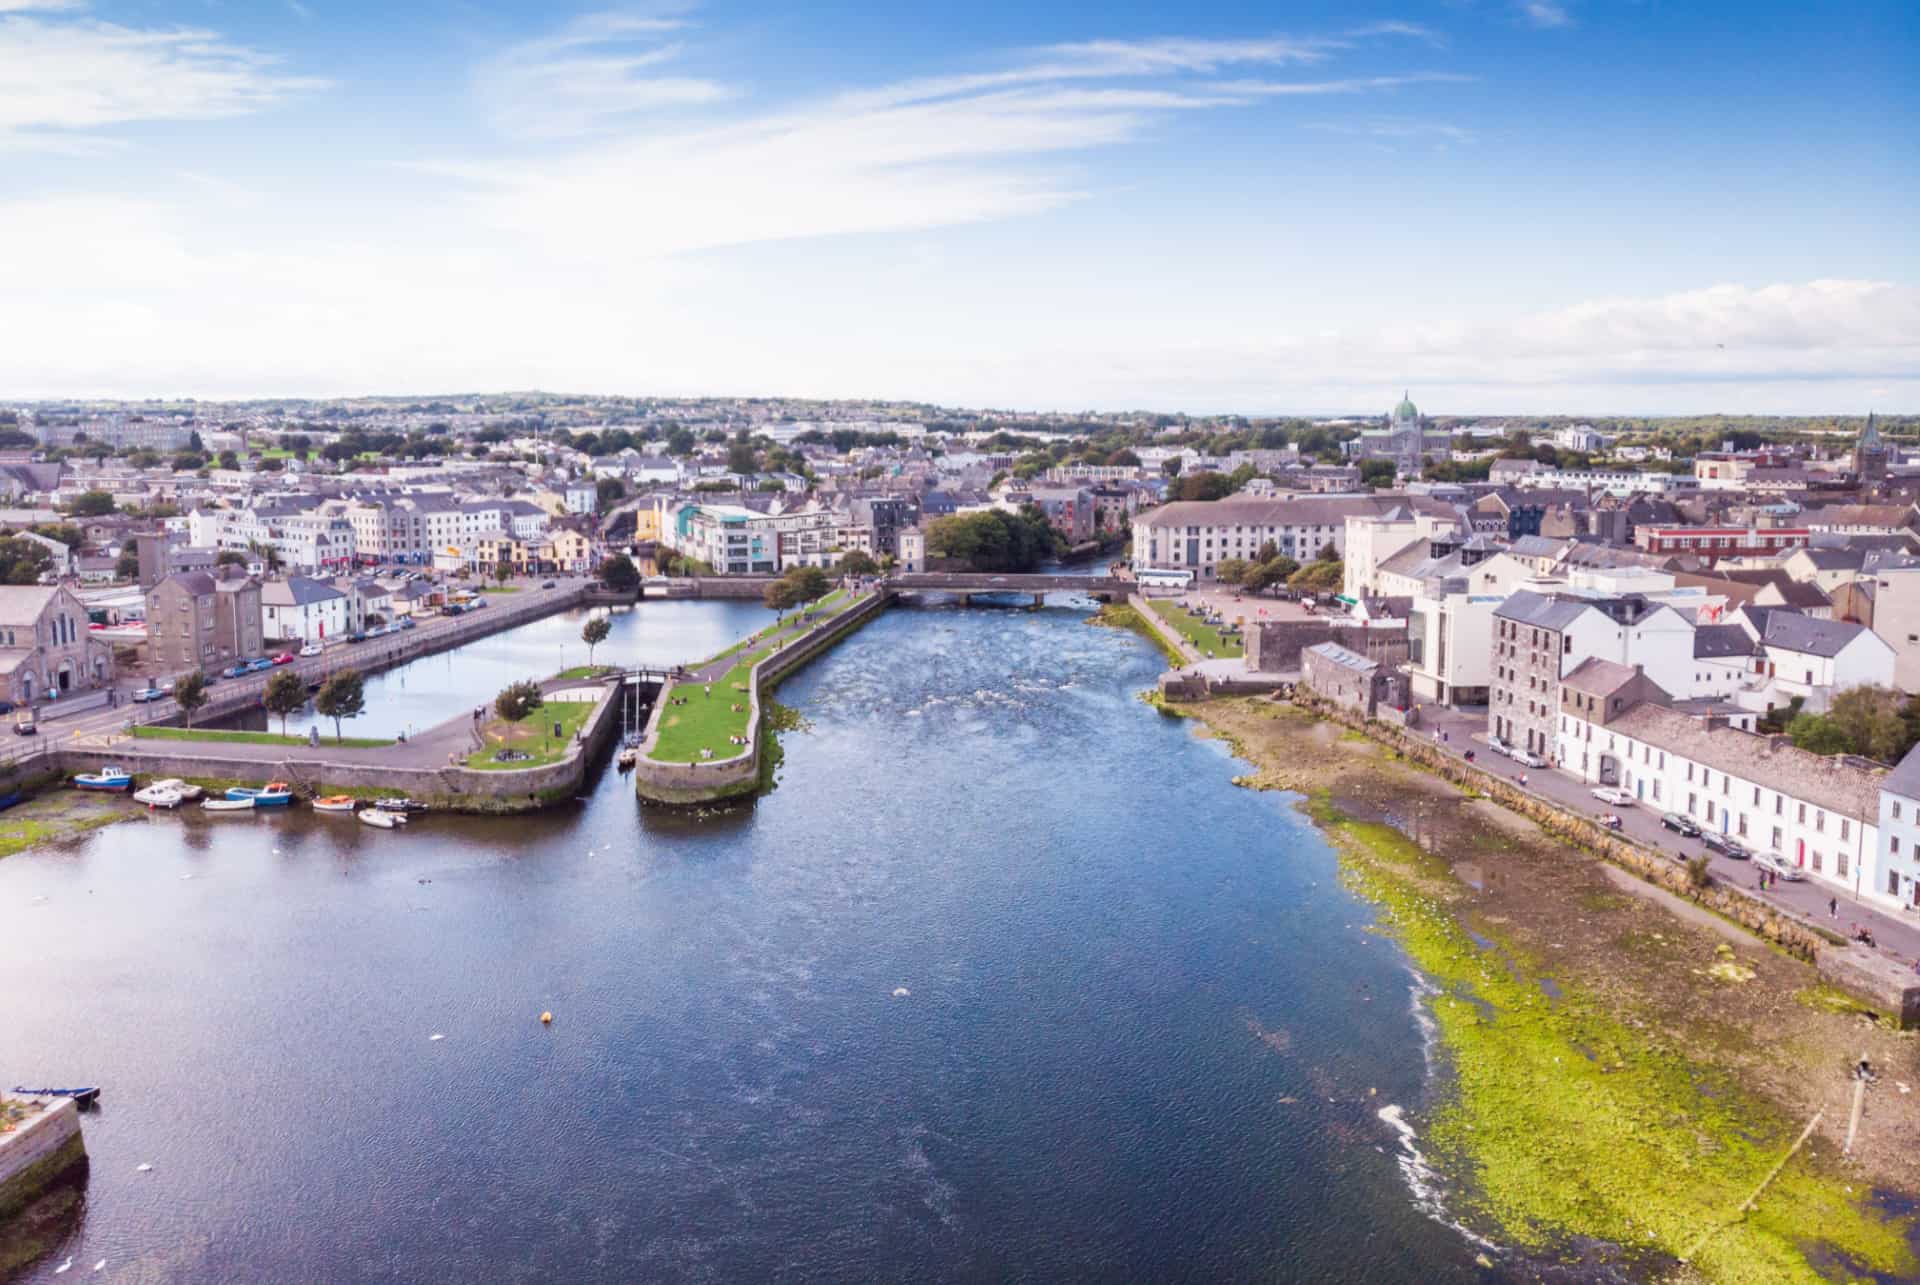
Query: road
<point x="1896" y="934"/>
<point x="94" y="727"/>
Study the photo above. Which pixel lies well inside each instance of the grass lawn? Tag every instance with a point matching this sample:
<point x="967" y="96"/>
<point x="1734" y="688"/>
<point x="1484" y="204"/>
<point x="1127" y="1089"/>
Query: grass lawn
<point x="705" y="722"/>
<point x="252" y="738"/>
<point x="583" y="671"/>
<point x="1197" y="631"/>
<point x="500" y="588"/>
<point x="533" y="735"/>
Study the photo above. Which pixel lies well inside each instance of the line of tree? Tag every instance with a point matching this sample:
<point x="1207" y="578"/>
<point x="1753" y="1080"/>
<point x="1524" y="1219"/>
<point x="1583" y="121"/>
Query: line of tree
<point x="996" y="540"/>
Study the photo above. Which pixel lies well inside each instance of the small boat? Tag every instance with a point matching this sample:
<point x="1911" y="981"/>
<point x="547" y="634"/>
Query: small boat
<point x="81" y="1097"/>
<point x="628" y="757"/>
<point x="335" y="803"/>
<point x="227" y="805"/>
<point x="10" y="799"/>
<point x="401" y="804"/>
<point x="380" y="817"/>
<point x="275" y="794"/>
<point x="116" y="779"/>
<point x="185" y="789"/>
<point x="159" y="795"/>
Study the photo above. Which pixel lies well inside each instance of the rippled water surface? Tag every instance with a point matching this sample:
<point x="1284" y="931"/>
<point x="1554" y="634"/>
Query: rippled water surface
<point x="1144" y="1035"/>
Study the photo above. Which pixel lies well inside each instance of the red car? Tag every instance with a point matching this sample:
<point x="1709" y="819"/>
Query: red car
<point x="284" y="658"/>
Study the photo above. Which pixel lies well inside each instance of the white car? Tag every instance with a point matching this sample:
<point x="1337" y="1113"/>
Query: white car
<point x="1498" y="746"/>
<point x="1618" y="798"/>
<point x="311" y="649"/>
<point x="1779" y="867"/>
<point x="1526" y="758"/>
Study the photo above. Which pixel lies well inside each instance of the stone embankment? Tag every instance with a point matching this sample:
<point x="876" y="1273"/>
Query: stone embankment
<point x="40" y="1146"/>
<point x="1888" y="988"/>
<point x="712" y="780"/>
<point x="424" y="768"/>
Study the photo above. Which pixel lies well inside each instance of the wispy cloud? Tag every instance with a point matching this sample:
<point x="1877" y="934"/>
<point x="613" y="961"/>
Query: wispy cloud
<point x="60" y="76"/>
<point x="591" y="74"/>
<point x="1391" y="128"/>
<point x="1356" y="85"/>
<point x="40" y="6"/>
<point x="1545" y="13"/>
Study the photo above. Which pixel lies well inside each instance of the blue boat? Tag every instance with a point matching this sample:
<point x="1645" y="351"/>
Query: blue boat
<point x="107" y="778"/>
<point x="276" y="794"/>
<point x="81" y="1097"/>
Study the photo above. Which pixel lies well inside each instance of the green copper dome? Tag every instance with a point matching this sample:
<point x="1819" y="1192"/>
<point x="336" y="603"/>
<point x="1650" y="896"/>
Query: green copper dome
<point x="1406" y="409"/>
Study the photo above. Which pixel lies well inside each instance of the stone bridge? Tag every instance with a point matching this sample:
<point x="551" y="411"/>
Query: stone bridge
<point x="965" y="584"/>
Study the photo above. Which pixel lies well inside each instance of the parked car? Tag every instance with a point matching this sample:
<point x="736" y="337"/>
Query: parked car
<point x="259" y="665"/>
<point x="1724" y="844"/>
<point x="6" y="707"/>
<point x="1683" y="825"/>
<point x="238" y="669"/>
<point x="312" y="649"/>
<point x="409" y="623"/>
<point x="1526" y="758"/>
<point x="148" y="694"/>
<point x="357" y="638"/>
<point x="284" y="658"/>
<point x="1618" y="798"/>
<point x="546" y="584"/>
<point x="25" y="726"/>
<point x="479" y="603"/>
<point x="1498" y="746"/>
<point x="1779" y="867"/>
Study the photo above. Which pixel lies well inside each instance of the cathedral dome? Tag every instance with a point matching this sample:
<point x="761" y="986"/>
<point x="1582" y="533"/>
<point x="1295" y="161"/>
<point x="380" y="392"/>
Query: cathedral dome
<point x="1406" y="409"/>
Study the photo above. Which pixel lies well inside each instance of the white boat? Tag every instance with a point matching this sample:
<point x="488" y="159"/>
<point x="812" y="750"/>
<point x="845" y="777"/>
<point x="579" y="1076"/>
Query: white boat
<point x="335" y="803"/>
<point x="227" y="805"/>
<point x="159" y="796"/>
<point x="382" y="818"/>
<point x="185" y="789"/>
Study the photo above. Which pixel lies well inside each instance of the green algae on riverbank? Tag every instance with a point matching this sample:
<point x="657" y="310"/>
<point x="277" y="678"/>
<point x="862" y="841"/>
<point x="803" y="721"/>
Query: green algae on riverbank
<point x="1567" y="1122"/>
<point x="57" y="815"/>
<point x="1117" y="616"/>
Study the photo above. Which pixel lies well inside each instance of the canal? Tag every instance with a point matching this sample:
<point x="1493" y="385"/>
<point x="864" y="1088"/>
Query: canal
<point x="1005" y="980"/>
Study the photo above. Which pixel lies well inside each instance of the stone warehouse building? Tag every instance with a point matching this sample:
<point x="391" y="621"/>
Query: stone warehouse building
<point x="195" y="621"/>
<point x="46" y="650"/>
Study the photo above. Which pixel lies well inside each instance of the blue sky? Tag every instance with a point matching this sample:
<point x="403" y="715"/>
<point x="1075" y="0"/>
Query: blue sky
<point x="1506" y="206"/>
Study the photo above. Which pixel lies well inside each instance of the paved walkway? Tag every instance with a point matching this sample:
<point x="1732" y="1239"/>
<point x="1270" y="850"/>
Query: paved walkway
<point x="1896" y="934"/>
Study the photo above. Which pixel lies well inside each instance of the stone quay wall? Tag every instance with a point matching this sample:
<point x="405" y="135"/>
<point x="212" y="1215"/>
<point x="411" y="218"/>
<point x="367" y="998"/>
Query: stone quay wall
<point x="447" y="787"/>
<point x="711" y="780"/>
<point x="1885" y="985"/>
<point x="39" y="1153"/>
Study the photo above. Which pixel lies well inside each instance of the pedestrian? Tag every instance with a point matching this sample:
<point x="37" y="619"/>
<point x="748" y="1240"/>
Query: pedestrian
<point x="1833" y="907"/>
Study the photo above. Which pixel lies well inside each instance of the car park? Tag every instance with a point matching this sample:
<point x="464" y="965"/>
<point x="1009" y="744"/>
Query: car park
<point x="1779" y="867"/>
<point x="1683" y="825"/>
<point x="1618" y="798"/>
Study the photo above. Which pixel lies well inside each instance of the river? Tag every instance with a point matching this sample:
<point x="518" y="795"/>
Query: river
<point x="1005" y="980"/>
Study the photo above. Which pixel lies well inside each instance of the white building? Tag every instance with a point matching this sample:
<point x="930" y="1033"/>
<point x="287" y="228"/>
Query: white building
<point x="302" y="609"/>
<point x="1818" y="814"/>
<point x="1813" y="659"/>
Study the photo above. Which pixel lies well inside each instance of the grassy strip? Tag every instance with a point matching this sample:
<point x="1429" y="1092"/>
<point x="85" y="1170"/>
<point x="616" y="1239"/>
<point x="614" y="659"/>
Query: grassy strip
<point x="156" y="733"/>
<point x="1116" y="616"/>
<point x="707" y="720"/>
<point x="583" y="671"/>
<point x="1197" y="631"/>
<point x="534" y="735"/>
<point x="1572" y="1123"/>
<point x="58" y="815"/>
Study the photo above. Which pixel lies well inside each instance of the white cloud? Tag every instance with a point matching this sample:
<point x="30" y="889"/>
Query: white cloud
<point x="41" y="6"/>
<point x="1545" y="13"/>
<point x="588" y="75"/>
<point x="1356" y="85"/>
<point x="59" y="76"/>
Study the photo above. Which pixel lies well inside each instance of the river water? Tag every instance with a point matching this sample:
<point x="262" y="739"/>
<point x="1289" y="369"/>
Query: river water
<point x="1144" y="1036"/>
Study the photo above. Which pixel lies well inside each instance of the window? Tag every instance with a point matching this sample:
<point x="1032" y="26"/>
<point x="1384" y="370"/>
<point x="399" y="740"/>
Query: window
<point x="1845" y="828"/>
<point x="1803" y="814"/>
<point x="1819" y="822"/>
<point x="1896" y="809"/>
<point x="1776" y="838"/>
<point x="1840" y="864"/>
<point x="1893" y="844"/>
<point x="1816" y="861"/>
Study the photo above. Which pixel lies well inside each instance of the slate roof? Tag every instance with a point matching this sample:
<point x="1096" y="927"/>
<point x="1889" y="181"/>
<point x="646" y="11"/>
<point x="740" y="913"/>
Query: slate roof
<point x="1905" y="779"/>
<point x="1597" y="677"/>
<point x="1538" y="610"/>
<point x="297" y="591"/>
<point x="1715" y="642"/>
<point x="1791" y="631"/>
<point x="1344" y="658"/>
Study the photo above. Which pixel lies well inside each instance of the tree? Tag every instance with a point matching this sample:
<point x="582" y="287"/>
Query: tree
<point x="1233" y="570"/>
<point x="778" y="596"/>
<point x="91" y="504"/>
<point x="503" y="571"/>
<point x="517" y="700"/>
<point x="1204" y="485"/>
<point x="1876" y="722"/>
<point x="1377" y="473"/>
<point x="23" y="561"/>
<point x="127" y="567"/>
<point x="1698" y="875"/>
<point x="1317" y="578"/>
<point x="857" y="563"/>
<point x="1264" y="575"/>
<point x="190" y="693"/>
<point x="228" y="460"/>
<point x="268" y="554"/>
<point x="229" y="558"/>
<point x="608" y="492"/>
<point x="65" y="532"/>
<point x="809" y="583"/>
<point x="286" y="692"/>
<point x="343" y="696"/>
<point x="595" y="632"/>
<point x="1327" y="553"/>
<point x="619" y="573"/>
<point x="993" y="540"/>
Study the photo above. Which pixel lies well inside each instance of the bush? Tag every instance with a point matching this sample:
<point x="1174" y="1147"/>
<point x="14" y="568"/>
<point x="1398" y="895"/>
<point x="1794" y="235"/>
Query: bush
<point x="517" y="700"/>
